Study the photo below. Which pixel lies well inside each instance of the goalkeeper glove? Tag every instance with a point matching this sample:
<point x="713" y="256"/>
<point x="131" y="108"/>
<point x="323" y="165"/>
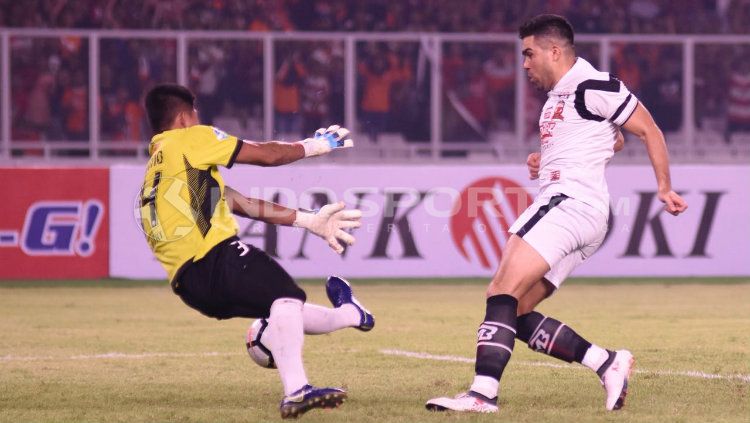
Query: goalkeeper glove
<point x="329" y="223"/>
<point x="326" y="140"/>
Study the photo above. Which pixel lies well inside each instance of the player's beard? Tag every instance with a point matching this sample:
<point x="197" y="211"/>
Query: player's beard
<point x="535" y="82"/>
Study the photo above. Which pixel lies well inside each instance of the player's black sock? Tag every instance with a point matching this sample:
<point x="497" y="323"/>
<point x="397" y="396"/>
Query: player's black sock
<point x="552" y="337"/>
<point x="496" y="336"/>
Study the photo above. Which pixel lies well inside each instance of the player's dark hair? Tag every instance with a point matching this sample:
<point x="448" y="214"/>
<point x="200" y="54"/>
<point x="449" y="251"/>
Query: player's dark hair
<point x="547" y="25"/>
<point x="164" y="102"/>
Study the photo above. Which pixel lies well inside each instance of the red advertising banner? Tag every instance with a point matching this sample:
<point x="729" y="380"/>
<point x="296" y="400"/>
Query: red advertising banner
<point x="54" y="223"/>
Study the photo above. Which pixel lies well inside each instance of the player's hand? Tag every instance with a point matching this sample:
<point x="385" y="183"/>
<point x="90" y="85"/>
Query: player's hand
<point x="619" y="141"/>
<point x="673" y="203"/>
<point x="532" y="163"/>
<point x="326" y="139"/>
<point x="329" y="223"/>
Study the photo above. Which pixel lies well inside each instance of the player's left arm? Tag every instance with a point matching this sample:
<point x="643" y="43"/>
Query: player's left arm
<point x="642" y="125"/>
<point x="328" y="223"/>
<point x="257" y="209"/>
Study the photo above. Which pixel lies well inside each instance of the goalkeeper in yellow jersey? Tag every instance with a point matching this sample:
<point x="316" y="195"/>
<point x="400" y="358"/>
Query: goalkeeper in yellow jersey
<point x="186" y="214"/>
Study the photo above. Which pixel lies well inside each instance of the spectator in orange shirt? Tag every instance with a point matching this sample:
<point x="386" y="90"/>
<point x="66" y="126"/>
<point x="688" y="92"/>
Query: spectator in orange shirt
<point x="75" y="108"/>
<point x="134" y="119"/>
<point x="379" y="74"/>
<point x="39" y="111"/>
<point x="286" y="94"/>
<point x="627" y="69"/>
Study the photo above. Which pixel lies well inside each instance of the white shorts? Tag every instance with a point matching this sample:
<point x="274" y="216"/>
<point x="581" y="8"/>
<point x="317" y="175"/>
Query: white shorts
<point x="563" y="230"/>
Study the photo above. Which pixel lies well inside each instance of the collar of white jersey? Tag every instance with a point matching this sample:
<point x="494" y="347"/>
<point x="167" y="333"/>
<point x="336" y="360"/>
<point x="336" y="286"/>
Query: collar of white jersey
<point x="567" y="84"/>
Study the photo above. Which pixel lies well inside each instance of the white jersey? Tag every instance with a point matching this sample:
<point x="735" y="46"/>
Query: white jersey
<point x="577" y="131"/>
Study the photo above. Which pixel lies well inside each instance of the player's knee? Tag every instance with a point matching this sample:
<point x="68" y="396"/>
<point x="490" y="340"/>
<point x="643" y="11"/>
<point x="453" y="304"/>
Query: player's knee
<point x="527" y="304"/>
<point x="538" y="292"/>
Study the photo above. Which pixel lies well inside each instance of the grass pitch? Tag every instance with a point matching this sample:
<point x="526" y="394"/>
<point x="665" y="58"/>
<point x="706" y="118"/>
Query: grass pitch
<point x="119" y="351"/>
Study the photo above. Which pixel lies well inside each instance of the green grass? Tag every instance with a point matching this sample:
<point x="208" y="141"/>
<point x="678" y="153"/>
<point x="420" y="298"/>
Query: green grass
<point x="51" y="330"/>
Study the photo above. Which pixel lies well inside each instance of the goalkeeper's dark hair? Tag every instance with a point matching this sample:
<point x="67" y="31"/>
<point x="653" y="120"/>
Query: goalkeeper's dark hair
<point x="164" y="102"/>
<point x="547" y="26"/>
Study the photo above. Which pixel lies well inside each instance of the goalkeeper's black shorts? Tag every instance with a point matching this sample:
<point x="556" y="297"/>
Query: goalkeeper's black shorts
<point x="234" y="280"/>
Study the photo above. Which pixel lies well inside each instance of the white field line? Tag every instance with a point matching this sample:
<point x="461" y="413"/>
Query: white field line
<point x="114" y="355"/>
<point x="423" y="356"/>
<point x="457" y="359"/>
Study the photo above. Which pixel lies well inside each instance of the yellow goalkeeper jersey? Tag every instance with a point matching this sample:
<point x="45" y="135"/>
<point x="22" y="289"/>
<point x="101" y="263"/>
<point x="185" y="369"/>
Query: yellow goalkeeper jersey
<point x="183" y="211"/>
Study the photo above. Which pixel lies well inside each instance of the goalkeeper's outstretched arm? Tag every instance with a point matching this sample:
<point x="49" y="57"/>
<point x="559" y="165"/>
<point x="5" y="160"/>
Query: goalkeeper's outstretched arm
<point x="257" y="209"/>
<point x="276" y="153"/>
<point x="330" y="223"/>
<point x="271" y="153"/>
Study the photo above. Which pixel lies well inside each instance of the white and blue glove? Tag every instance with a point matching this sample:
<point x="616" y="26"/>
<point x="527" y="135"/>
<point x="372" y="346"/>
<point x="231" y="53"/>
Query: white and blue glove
<point x="330" y="223"/>
<point x="326" y="140"/>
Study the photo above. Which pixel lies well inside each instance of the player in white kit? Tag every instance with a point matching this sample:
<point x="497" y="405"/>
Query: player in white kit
<point x="579" y="127"/>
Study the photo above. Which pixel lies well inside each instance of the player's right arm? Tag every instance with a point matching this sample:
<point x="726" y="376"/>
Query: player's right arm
<point x="532" y="164"/>
<point x="619" y="141"/>
<point x="274" y="153"/>
<point x="271" y="153"/>
<point x="642" y="125"/>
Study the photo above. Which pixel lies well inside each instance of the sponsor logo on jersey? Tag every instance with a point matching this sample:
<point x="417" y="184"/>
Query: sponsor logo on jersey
<point x="545" y="131"/>
<point x="559" y="108"/>
<point x="221" y="135"/>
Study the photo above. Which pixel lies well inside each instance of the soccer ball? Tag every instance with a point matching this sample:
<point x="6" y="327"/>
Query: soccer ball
<point x="260" y="354"/>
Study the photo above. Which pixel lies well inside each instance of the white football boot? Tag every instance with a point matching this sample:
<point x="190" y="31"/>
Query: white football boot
<point x="461" y="402"/>
<point x="615" y="379"/>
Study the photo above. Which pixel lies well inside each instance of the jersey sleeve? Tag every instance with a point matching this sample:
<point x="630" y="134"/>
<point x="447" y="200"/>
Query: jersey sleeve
<point x="610" y="100"/>
<point x="211" y="146"/>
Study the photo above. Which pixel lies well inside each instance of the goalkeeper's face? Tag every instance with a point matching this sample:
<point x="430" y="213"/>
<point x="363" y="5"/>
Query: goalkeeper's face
<point x="537" y="62"/>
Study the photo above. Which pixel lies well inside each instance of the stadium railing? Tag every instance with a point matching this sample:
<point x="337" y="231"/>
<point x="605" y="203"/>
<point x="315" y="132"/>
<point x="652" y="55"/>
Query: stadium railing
<point x="451" y="95"/>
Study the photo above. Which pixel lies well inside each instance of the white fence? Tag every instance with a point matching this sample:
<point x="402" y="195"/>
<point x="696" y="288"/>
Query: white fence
<point x="437" y="117"/>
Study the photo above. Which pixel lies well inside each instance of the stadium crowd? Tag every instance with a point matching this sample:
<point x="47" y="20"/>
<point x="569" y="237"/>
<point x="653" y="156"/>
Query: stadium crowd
<point x="50" y="76"/>
<point x="587" y="16"/>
